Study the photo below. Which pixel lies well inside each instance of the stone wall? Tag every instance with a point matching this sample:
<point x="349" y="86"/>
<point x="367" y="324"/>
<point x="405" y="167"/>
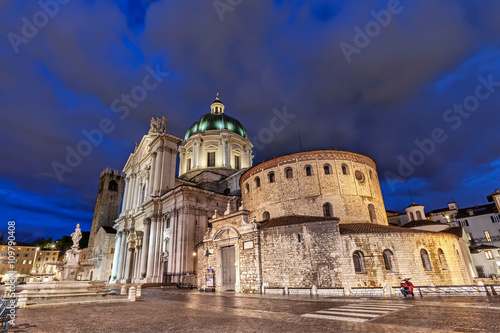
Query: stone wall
<point x="349" y="194"/>
<point x="314" y="260"/>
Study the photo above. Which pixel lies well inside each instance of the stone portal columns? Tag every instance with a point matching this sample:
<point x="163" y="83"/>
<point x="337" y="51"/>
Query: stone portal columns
<point x="145" y="247"/>
<point x="116" y="255"/>
<point x="156" y="259"/>
<point x="121" y="250"/>
<point x="152" y="245"/>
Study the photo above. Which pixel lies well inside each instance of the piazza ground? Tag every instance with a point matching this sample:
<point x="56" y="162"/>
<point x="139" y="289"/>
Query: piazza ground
<point x="174" y="310"/>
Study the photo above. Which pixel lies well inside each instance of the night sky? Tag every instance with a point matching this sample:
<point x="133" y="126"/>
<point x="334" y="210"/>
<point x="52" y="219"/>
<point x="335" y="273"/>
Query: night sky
<point x="413" y="84"/>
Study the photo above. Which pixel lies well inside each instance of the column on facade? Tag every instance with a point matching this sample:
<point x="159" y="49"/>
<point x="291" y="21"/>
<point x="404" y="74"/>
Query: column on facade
<point x="124" y="254"/>
<point x="159" y="159"/>
<point x="137" y="256"/>
<point x="196" y="154"/>
<point x="128" y="265"/>
<point x="165" y="169"/>
<point x="116" y="255"/>
<point x="156" y="260"/>
<point x="145" y="247"/>
<point x="151" y="248"/>
<point x="120" y="254"/>
<point x="125" y="195"/>
<point x="224" y="147"/>
<point x="135" y="195"/>
<point x="152" y="174"/>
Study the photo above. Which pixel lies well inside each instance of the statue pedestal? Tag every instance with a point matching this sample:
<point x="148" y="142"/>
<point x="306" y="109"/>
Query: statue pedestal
<point x="65" y="288"/>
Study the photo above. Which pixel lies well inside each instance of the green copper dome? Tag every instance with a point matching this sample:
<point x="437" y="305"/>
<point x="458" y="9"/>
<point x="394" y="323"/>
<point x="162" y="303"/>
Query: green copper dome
<point x="220" y="121"/>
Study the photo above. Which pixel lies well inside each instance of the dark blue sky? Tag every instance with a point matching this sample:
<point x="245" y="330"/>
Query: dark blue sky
<point x="382" y="88"/>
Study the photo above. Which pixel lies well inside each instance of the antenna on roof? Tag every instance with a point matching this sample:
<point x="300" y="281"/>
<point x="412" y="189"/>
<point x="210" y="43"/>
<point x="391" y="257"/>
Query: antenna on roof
<point x="411" y="195"/>
<point x="300" y="142"/>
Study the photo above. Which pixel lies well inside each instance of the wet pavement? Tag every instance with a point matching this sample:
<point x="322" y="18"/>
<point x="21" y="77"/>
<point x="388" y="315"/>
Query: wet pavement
<point x="173" y="310"/>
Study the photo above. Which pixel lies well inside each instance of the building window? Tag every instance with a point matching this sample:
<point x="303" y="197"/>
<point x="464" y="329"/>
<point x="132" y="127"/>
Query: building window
<point x="359" y="176"/>
<point x="308" y="171"/>
<point x="328" y="169"/>
<point x="412" y="217"/>
<point x="266" y="216"/>
<point x="211" y="159"/>
<point x="371" y="174"/>
<point x="237" y="162"/>
<point x="26" y="255"/>
<point x="257" y="182"/>
<point x="373" y="215"/>
<point x="113" y="186"/>
<point x="426" y="262"/>
<point x="419" y="215"/>
<point x="188" y="164"/>
<point x="488" y="254"/>
<point x="298" y="238"/>
<point x="359" y="262"/>
<point x="464" y="223"/>
<point x="345" y="169"/>
<point x="227" y="191"/>
<point x="327" y="209"/>
<point x="495" y="218"/>
<point x="168" y="222"/>
<point x="270" y="175"/>
<point x="469" y="236"/>
<point x="143" y="193"/>
<point x="487" y="235"/>
<point x="388" y="260"/>
<point x="442" y="259"/>
<point x="289" y="173"/>
<point x="480" y="271"/>
<point x="247" y="187"/>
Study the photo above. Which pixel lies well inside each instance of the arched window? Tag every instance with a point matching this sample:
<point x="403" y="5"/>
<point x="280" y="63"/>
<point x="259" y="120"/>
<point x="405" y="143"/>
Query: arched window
<point x="373" y="216"/>
<point x="419" y="215"/>
<point x="289" y="173"/>
<point x="227" y="191"/>
<point x="270" y="175"/>
<point x="257" y="182"/>
<point x="345" y="169"/>
<point x="266" y="216"/>
<point x="328" y="169"/>
<point x="388" y="260"/>
<point x="412" y="217"/>
<point x="247" y="187"/>
<point x="426" y="262"/>
<point x="327" y="209"/>
<point x="113" y="186"/>
<point x="359" y="261"/>
<point x="371" y="174"/>
<point x="442" y="259"/>
<point x="308" y="170"/>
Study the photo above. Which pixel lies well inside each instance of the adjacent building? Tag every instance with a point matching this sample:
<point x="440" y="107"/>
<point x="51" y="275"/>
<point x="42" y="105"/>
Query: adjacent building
<point x="24" y="258"/>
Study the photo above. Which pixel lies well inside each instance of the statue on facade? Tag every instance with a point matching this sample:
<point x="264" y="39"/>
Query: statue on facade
<point x="76" y="236"/>
<point x="132" y="239"/>
<point x="158" y="125"/>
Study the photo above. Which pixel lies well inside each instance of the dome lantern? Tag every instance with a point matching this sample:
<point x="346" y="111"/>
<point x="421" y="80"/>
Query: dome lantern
<point x="217" y="107"/>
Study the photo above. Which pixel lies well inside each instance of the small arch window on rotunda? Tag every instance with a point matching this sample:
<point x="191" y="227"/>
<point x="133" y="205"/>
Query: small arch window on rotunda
<point x="308" y="170"/>
<point x="270" y="175"/>
<point x="442" y="259"/>
<point x="359" y="262"/>
<point x="289" y="173"/>
<point x="257" y="182"/>
<point x="419" y="215"/>
<point x="266" y="216"/>
<point x="426" y="262"/>
<point x="359" y="176"/>
<point x="327" y="209"/>
<point x="247" y="187"/>
<point x="328" y="169"/>
<point x="345" y="169"/>
<point x="373" y="215"/>
<point x="412" y="217"/>
<point x="388" y="256"/>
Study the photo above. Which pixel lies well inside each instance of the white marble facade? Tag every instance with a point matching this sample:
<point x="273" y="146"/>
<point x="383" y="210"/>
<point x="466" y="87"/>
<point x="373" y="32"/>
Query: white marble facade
<point x="163" y="218"/>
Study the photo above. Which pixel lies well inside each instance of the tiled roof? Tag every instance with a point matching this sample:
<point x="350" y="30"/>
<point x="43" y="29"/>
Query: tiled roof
<point x="457" y="231"/>
<point x="369" y="228"/>
<point x="420" y="223"/>
<point x="294" y="219"/>
<point x="477" y="210"/>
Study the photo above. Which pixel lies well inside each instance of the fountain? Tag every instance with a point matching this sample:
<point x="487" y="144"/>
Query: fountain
<point x="68" y="286"/>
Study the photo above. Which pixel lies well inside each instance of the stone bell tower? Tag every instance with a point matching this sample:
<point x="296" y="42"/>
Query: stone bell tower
<point x="107" y="204"/>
